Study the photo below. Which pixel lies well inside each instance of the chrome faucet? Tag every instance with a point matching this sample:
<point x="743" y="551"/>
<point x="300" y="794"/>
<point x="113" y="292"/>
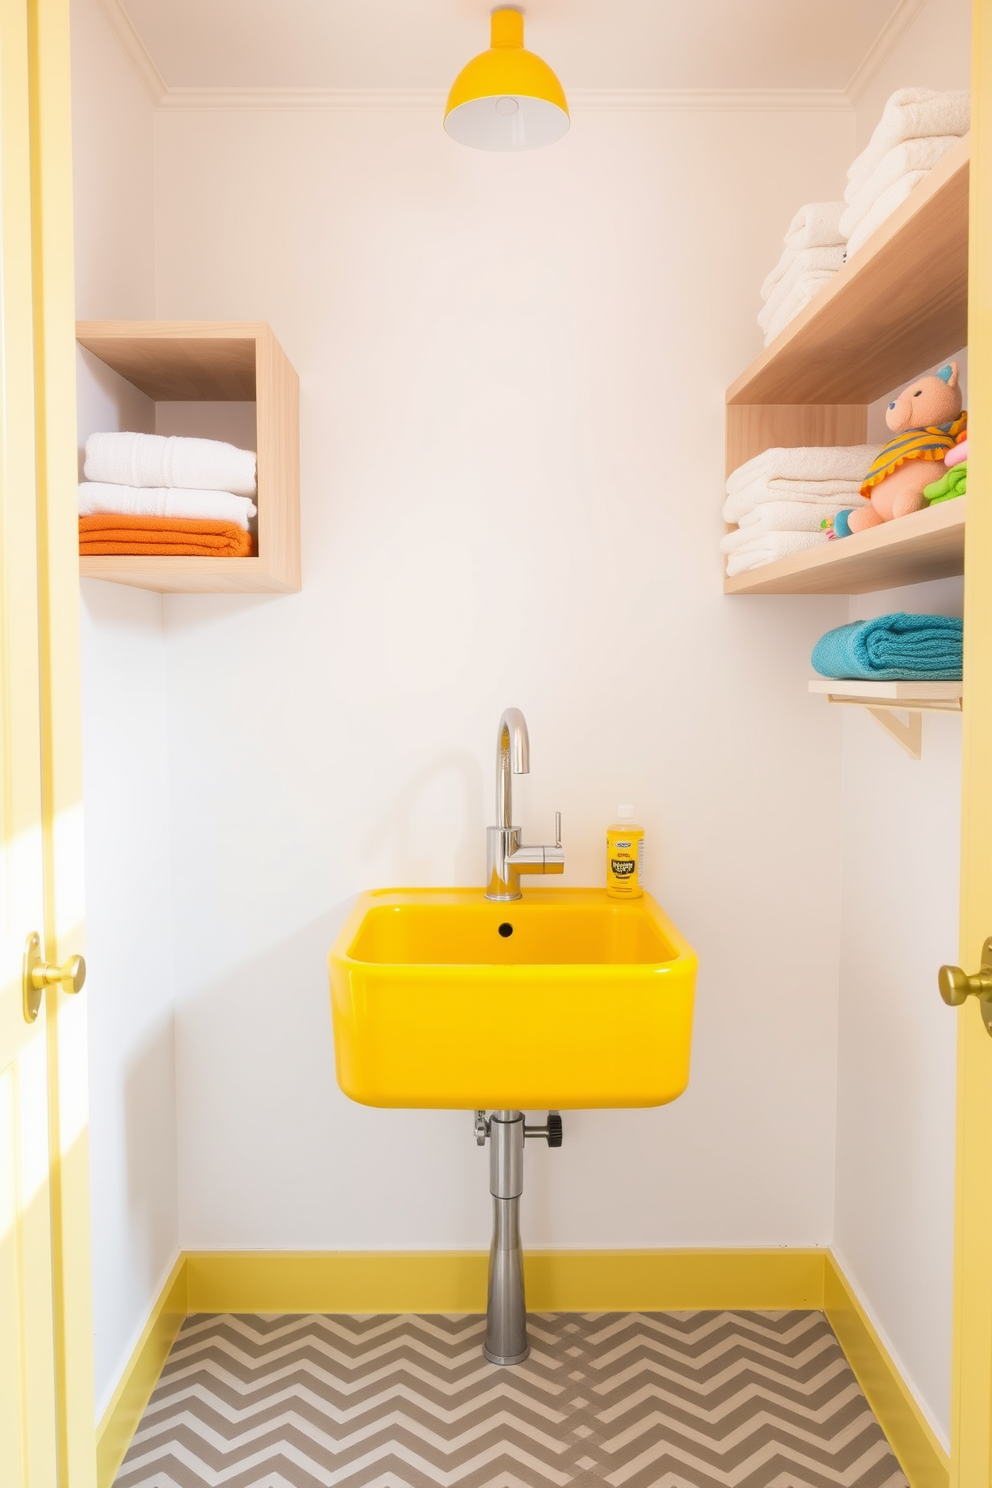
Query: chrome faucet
<point x="506" y="859"/>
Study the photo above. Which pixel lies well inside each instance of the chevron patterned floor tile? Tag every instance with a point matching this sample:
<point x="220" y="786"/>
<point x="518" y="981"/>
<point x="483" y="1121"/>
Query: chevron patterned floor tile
<point x="631" y="1400"/>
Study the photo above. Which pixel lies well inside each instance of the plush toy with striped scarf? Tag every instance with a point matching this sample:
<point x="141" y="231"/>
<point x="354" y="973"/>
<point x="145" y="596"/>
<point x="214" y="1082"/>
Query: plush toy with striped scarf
<point x="927" y="421"/>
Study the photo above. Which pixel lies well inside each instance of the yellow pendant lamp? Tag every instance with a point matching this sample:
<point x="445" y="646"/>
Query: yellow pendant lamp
<point x="506" y="98"/>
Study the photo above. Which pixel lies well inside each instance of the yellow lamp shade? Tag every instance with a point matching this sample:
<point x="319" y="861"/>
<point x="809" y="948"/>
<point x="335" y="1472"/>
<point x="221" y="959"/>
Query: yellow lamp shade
<point x="506" y="98"/>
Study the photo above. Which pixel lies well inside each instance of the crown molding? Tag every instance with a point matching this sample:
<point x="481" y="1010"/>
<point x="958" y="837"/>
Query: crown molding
<point x="710" y="100"/>
<point x="134" y="50"/>
<point x="882" y="48"/>
<point x="300" y="100"/>
<point x="581" y="100"/>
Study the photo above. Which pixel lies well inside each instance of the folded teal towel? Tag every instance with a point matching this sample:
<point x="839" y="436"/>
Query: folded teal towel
<point x="893" y="648"/>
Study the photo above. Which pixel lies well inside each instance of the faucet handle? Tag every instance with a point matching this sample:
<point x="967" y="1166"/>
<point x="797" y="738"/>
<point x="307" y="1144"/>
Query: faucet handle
<point x="557" y="829"/>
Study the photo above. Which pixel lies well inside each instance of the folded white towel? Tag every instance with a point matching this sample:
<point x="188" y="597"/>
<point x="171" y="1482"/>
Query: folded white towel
<point x="781" y="488"/>
<point x="911" y="113"/>
<point x="805" y="288"/>
<point x="817" y="494"/>
<point x="128" y="459"/>
<point x="746" y="539"/>
<point x="790" y="266"/>
<point x="782" y="516"/>
<point x="770" y="547"/>
<point x="911" y="155"/>
<point x="164" y="501"/>
<point x="883" y="208"/>
<point x="789" y="516"/>
<point x="804" y="464"/>
<point x="816" y="225"/>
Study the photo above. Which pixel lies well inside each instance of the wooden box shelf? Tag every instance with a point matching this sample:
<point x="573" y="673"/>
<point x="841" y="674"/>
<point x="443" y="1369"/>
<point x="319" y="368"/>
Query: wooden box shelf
<point x="215" y="361"/>
<point x="899" y="306"/>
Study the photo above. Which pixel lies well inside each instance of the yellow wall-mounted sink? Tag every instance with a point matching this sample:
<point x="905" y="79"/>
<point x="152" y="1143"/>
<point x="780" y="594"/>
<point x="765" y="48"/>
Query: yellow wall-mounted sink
<point x="586" y="1002"/>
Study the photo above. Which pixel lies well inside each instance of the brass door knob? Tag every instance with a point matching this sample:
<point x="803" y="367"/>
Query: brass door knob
<point x="956" y="986"/>
<point x="38" y="975"/>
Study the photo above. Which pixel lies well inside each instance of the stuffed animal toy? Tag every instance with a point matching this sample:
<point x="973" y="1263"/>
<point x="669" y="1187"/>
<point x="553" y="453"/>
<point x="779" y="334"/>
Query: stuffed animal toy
<point x="926" y="419"/>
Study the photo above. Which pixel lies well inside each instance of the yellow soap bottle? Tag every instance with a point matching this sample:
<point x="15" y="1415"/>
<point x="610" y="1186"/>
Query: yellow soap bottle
<point x="625" y="856"/>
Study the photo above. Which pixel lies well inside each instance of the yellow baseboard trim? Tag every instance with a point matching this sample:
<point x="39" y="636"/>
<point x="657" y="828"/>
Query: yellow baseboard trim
<point x="672" y="1280"/>
<point x="920" y="1454"/>
<point x="127" y="1404"/>
<point x="556" y="1281"/>
<point x="337" y="1281"/>
<point x="455" y="1281"/>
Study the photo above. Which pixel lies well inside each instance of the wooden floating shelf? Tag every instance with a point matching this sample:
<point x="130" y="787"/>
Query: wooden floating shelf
<point x="882" y="699"/>
<point x="944" y="696"/>
<point x="899" y="306"/>
<point x="901" y="303"/>
<point x="927" y="544"/>
<point x="214" y="361"/>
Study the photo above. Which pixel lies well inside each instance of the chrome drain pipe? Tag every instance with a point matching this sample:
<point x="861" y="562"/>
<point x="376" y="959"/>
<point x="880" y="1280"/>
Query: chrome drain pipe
<point x="506" y="1310"/>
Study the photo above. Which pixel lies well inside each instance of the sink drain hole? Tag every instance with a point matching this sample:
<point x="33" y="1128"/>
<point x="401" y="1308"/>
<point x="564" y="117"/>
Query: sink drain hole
<point x="505" y="929"/>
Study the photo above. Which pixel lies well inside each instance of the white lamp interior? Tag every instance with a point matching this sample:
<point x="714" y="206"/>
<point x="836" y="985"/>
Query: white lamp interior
<point x="494" y="123"/>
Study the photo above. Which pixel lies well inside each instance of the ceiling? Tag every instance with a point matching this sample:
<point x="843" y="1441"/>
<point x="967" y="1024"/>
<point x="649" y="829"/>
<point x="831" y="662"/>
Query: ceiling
<point x="606" y="44"/>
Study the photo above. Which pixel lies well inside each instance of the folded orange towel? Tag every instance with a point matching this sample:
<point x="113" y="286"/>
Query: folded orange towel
<point x="152" y="536"/>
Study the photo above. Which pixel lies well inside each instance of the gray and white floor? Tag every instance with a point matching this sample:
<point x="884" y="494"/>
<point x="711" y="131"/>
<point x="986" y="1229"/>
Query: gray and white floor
<point x="634" y="1400"/>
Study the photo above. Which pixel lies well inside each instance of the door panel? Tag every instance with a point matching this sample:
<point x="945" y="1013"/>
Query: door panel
<point x="971" y="1402"/>
<point x="27" y="1362"/>
<point x="47" y="1432"/>
<point x="62" y="776"/>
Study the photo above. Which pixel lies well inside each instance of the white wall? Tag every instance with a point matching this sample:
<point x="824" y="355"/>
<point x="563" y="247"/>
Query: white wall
<point x="512" y="380"/>
<point x="512" y="444"/>
<point x="126" y="787"/>
<point x="896" y="1066"/>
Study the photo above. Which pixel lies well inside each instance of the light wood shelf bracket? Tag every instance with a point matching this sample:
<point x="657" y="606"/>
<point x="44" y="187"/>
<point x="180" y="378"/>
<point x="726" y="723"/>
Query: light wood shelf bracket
<point x="908" y="735"/>
<point x="886" y="700"/>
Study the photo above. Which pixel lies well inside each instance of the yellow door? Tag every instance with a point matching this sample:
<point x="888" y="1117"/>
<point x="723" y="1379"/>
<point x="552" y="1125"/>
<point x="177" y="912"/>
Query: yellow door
<point x="971" y="1404"/>
<point x="47" y="1435"/>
